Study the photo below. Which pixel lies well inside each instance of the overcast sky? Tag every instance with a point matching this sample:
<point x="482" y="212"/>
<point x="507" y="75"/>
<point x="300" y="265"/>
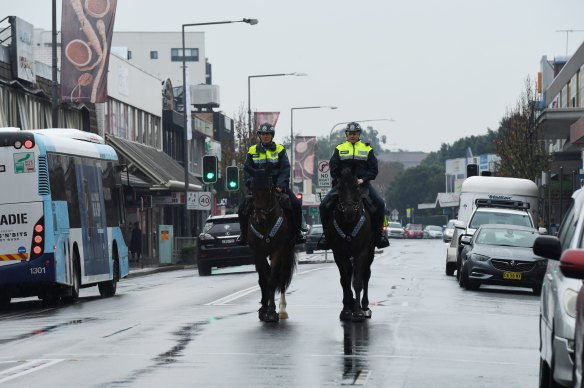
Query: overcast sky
<point x="441" y="70"/>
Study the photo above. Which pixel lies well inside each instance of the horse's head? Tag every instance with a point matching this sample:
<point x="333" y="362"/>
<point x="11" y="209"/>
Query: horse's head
<point x="263" y="192"/>
<point x="349" y="202"/>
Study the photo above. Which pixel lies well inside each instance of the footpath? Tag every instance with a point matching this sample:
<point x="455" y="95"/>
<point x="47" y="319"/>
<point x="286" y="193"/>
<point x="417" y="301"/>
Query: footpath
<point x="149" y="266"/>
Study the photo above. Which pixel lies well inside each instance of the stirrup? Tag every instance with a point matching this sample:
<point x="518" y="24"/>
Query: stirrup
<point x="382" y="242"/>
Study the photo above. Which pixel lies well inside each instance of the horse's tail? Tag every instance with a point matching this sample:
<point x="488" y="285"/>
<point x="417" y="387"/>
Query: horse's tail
<point x="288" y="268"/>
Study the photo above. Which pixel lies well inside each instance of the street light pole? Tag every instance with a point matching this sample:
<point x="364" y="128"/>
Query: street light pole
<point x="292" y="137"/>
<point x="187" y="89"/>
<point x="249" y="77"/>
<point x="347" y="122"/>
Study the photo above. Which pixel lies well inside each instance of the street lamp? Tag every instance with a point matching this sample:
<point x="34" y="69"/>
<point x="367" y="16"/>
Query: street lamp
<point x="347" y="122"/>
<point x="187" y="89"/>
<point x="249" y="77"/>
<point x="292" y="136"/>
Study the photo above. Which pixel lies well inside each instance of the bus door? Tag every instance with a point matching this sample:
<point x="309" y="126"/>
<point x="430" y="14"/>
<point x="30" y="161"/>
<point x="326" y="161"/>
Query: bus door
<point x="93" y="220"/>
<point x="63" y="262"/>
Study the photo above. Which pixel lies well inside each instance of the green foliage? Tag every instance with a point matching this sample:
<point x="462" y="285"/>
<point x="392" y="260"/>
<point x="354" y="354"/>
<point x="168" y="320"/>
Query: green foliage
<point x="478" y="144"/>
<point x="415" y="185"/>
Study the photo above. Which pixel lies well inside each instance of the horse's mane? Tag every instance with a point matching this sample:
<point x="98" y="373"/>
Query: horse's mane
<point x="347" y="179"/>
<point x="261" y="180"/>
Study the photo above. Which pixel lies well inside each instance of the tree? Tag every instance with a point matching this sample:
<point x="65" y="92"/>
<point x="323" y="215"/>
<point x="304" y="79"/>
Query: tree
<point x="478" y="144"/>
<point x="519" y="141"/>
<point x="415" y="185"/>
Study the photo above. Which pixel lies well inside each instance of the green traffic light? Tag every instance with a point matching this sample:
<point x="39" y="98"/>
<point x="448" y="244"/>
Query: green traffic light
<point x="232" y="185"/>
<point x="210" y="176"/>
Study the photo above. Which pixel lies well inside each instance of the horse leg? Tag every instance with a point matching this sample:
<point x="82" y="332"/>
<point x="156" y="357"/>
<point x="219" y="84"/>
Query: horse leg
<point x="345" y="270"/>
<point x="358" y="315"/>
<point x="271" y="315"/>
<point x="282" y="313"/>
<point x="263" y="270"/>
<point x="366" y="277"/>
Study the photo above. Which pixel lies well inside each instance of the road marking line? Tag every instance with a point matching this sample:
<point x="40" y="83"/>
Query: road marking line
<point x="241" y="293"/>
<point x="30" y="366"/>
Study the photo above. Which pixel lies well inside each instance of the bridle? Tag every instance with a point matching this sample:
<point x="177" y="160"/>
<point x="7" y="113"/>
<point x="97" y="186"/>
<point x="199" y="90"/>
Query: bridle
<point x="354" y="207"/>
<point x="263" y="213"/>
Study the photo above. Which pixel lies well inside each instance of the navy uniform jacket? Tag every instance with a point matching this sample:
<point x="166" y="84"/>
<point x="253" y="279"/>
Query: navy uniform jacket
<point x="359" y="157"/>
<point x="272" y="157"/>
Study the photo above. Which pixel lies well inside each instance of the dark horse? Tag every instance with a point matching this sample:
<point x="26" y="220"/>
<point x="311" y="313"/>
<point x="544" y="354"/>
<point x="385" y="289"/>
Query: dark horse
<point x="350" y="235"/>
<point x="271" y="240"/>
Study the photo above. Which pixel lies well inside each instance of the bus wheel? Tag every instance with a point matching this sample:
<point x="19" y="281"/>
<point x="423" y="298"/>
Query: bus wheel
<point x="4" y="301"/>
<point x="73" y="291"/>
<point x="108" y="289"/>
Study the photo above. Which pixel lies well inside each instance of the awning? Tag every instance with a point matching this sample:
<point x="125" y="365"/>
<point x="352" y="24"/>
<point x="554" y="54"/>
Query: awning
<point x="556" y="122"/>
<point x="153" y="165"/>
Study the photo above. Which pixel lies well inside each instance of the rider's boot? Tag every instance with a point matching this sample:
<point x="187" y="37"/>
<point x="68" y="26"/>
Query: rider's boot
<point x="297" y="218"/>
<point x="243" y="221"/>
<point x="381" y="240"/>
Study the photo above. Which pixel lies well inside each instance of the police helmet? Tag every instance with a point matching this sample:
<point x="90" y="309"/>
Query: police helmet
<point x="266" y="128"/>
<point x="353" y="127"/>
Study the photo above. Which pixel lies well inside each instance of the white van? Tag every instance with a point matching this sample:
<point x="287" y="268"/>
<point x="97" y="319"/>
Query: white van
<point x="494" y="193"/>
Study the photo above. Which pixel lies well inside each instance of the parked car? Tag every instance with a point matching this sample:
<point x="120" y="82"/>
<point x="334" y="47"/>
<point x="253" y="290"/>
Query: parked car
<point x="414" y="231"/>
<point x="572" y="266"/>
<point x="395" y="230"/>
<point x="502" y="255"/>
<point x="489" y="212"/>
<point x="433" y="231"/>
<point x="557" y="320"/>
<point x="314" y="234"/>
<point x="217" y="246"/>
<point x="448" y="231"/>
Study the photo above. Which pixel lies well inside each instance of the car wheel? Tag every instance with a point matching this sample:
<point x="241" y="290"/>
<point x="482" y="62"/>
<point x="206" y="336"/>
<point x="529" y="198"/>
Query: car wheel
<point x="458" y="267"/>
<point x="537" y="290"/>
<point x="546" y="375"/>
<point x="4" y="301"/>
<point x="450" y="269"/>
<point x="204" y="269"/>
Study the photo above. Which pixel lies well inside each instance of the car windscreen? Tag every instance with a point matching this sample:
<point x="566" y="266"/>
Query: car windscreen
<point x="507" y="237"/>
<point x="221" y="227"/>
<point x="482" y="218"/>
<point x="394" y="225"/>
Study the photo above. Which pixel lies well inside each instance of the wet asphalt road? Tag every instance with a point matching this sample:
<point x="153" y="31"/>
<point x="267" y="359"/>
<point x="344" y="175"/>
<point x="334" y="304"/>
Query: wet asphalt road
<point x="176" y="329"/>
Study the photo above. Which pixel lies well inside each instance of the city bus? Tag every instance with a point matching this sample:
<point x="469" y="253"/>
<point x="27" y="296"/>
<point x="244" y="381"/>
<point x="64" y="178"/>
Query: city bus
<point x="61" y="207"/>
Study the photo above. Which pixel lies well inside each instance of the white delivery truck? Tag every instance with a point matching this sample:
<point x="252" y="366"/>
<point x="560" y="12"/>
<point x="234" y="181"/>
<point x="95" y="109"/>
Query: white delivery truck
<point x="492" y="193"/>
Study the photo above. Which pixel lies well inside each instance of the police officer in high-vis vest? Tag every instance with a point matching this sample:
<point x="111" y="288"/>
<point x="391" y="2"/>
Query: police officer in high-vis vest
<point x="270" y="156"/>
<point x="359" y="157"/>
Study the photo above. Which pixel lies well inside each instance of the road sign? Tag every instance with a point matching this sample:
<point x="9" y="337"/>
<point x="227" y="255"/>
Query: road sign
<point x="199" y="200"/>
<point x="324" y="174"/>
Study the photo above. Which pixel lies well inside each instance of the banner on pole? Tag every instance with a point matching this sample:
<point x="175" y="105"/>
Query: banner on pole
<point x="86" y="34"/>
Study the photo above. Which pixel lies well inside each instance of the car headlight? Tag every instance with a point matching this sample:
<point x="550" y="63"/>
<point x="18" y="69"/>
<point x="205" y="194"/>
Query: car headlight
<point x="205" y="236"/>
<point x="570" y="297"/>
<point x="477" y="257"/>
<point x="542" y="263"/>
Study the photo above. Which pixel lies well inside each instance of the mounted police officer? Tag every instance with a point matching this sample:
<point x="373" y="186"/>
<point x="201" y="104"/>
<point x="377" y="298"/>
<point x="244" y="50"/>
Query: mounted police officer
<point x="269" y="156"/>
<point x="360" y="158"/>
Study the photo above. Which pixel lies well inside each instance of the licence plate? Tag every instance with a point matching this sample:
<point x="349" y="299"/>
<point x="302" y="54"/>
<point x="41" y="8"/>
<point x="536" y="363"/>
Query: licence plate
<point x="228" y="241"/>
<point x="512" y="275"/>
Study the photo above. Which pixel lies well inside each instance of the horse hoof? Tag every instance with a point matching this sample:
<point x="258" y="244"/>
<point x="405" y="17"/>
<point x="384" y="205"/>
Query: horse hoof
<point x="358" y="316"/>
<point x="346" y="315"/>
<point x="283" y="315"/>
<point x="367" y="313"/>
<point x="271" y="317"/>
<point x="262" y="312"/>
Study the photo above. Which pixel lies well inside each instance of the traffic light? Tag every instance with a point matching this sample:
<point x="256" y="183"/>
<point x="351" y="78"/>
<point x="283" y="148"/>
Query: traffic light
<point x="209" y="169"/>
<point x="232" y="178"/>
<point x="299" y="196"/>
